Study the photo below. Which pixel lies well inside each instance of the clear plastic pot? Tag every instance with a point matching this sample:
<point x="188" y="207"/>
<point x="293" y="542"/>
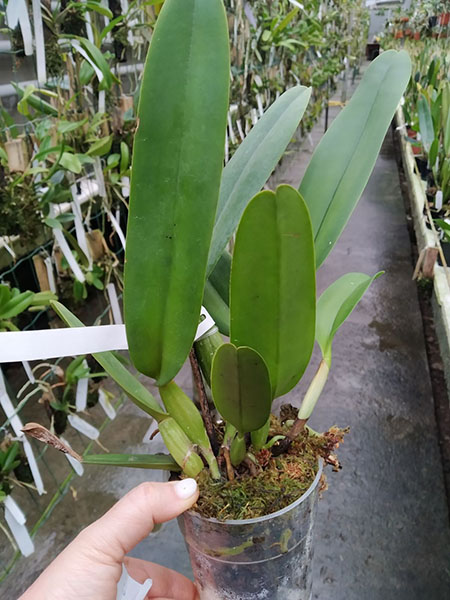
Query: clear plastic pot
<point x="255" y="559"/>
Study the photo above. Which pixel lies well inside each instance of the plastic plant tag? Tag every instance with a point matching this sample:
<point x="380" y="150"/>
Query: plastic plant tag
<point x="205" y="325"/>
<point x="74" y="463"/>
<point x="50" y="274"/>
<point x="102" y="101"/>
<point x="17" y="13"/>
<point x="9" y="409"/>
<point x="33" y="466"/>
<point x="148" y="436"/>
<point x="129" y="589"/>
<point x="114" y="302"/>
<point x="105" y="403"/>
<point x="82" y="392"/>
<point x="39" y="41"/>
<point x="16" y="346"/>
<point x="79" y="228"/>
<point x="15" y="510"/>
<point x="20" y="533"/>
<point x="89" y="32"/>
<point x="8" y="248"/>
<point x="98" y="172"/>
<point x="250" y="16"/>
<point x="59" y="236"/>
<point x="125" y="181"/>
<point x="28" y="371"/>
<point x="83" y="427"/>
<point x="438" y="200"/>
<point x="117" y="227"/>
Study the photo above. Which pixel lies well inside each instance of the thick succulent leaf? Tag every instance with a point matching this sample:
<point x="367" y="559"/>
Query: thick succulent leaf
<point x="16" y="305"/>
<point x="241" y="389"/>
<point x="343" y="161"/>
<point x="136" y="461"/>
<point x="220" y="276"/>
<point x="115" y="369"/>
<point x="216" y="298"/>
<point x="186" y="414"/>
<point x="273" y="294"/>
<point x="216" y="307"/>
<point x="253" y="162"/>
<point x="176" y="172"/>
<point x="425" y="123"/>
<point x="180" y="447"/>
<point x="335" y="305"/>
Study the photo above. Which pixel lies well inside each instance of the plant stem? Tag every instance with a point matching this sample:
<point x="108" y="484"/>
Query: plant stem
<point x="308" y="404"/>
<point x="230" y="470"/>
<point x="203" y="399"/>
<point x="314" y="391"/>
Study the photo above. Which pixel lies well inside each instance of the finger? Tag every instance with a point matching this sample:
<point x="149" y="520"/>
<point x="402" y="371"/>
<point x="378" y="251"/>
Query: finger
<point x="134" y="516"/>
<point x="166" y="583"/>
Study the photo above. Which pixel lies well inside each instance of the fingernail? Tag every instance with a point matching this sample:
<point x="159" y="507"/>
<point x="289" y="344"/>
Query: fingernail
<point x="185" y="488"/>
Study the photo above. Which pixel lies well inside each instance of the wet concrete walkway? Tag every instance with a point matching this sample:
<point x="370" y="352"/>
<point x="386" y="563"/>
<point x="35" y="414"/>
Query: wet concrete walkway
<point x="382" y="530"/>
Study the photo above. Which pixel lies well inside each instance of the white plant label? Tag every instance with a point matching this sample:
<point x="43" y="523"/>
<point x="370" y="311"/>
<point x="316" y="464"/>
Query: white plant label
<point x="114" y="302"/>
<point x="15" y="510"/>
<point x="250" y="16"/>
<point x="83" y="427"/>
<point x="105" y="403"/>
<point x="116" y="225"/>
<point x="82" y="392"/>
<point x="39" y="39"/>
<point x="74" y="463"/>
<point x="33" y="466"/>
<point x="4" y="244"/>
<point x="438" y="200"/>
<point x="129" y="589"/>
<point x="16" y="346"/>
<point x="79" y="228"/>
<point x="59" y="236"/>
<point x="17" y="14"/>
<point x="54" y="343"/>
<point x="28" y="371"/>
<point x="20" y="534"/>
<point x="125" y="189"/>
<point x="50" y="274"/>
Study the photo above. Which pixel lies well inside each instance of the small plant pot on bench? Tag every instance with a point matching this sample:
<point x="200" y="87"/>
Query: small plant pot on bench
<point x="268" y="557"/>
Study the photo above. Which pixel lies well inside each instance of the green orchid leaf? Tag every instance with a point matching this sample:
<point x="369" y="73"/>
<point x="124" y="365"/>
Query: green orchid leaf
<point x="183" y="410"/>
<point x="101" y="146"/>
<point x="71" y="162"/>
<point x="97" y="59"/>
<point x="135" y="461"/>
<point x="425" y="123"/>
<point x="36" y="102"/>
<point x="241" y="389"/>
<point x="175" y="182"/>
<point x="217" y="308"/>
<point x="115" y="369"/>
<point x="335" y="306"/>
<point x="253" y="162"/>
<point x="273" y="293"/>
<point x="343" y="161"/>
<point x="16" y="305"/>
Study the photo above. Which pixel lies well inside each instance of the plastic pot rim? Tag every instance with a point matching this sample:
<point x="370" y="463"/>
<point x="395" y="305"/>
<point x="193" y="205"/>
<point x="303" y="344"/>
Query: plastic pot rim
<point x="273" y="515"/>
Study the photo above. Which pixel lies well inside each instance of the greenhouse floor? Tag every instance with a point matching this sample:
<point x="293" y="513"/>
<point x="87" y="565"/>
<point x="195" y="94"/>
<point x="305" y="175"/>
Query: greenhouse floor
<point x="382" y="529"/>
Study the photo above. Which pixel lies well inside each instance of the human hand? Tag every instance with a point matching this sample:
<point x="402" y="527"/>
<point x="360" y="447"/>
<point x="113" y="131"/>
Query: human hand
<point x="91" y="566"/>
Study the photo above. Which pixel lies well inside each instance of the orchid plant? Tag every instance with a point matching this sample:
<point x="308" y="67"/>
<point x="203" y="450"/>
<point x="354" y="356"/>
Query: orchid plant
<point x="184" y="209"/>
